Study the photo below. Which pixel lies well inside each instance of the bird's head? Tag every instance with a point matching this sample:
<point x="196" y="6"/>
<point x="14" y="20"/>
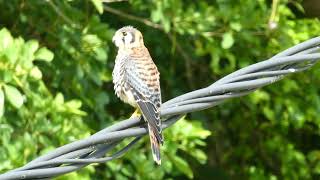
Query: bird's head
<point x="128" y="37"/>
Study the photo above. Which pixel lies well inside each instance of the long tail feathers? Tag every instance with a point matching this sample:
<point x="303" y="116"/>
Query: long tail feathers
<point x="155" y="145"/>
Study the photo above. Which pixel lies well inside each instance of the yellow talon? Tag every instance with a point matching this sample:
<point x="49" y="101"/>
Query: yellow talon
<point x="136" y="114"/>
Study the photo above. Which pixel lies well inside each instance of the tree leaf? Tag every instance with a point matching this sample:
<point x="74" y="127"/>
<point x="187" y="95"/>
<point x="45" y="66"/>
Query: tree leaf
<point x="32" y="46"/>
<point x="236" y="26"/>
<point x="1" y="103"/>
<point x="183" y="166"/>
<point x="14" y="96"/>
<point x="99" y="5"/>
<point x="36" y="73"/>
<point x="44" y="54"/>
<point x="5" y="39"/>
<point x="227" y="40"/>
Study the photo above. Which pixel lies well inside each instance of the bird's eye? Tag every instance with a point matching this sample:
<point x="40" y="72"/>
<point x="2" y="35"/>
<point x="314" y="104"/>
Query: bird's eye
<point x="124" y="33"/>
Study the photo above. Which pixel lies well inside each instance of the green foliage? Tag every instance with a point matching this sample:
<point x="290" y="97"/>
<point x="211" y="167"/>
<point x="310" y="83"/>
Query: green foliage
<point x="56" y="59"/>
<point x="33" y="119"/>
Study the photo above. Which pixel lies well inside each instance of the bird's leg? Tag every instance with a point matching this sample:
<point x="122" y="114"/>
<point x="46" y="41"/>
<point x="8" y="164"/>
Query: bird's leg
<point x="136" y="114"/>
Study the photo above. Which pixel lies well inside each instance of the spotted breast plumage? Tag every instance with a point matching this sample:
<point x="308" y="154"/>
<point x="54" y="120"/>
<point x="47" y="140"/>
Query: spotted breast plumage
<point x="136" y="82"/>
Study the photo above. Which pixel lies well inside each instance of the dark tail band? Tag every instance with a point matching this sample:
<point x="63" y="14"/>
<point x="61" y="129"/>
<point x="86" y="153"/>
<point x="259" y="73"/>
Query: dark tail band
<point x="155" y="145"/>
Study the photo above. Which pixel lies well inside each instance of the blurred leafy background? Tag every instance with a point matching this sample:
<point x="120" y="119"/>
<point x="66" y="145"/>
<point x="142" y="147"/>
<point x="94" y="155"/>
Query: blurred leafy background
<point x="56" y="59"/>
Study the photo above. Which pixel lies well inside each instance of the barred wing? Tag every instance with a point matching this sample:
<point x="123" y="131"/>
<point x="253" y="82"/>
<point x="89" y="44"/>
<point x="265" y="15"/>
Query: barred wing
<point x="142" y="78"/>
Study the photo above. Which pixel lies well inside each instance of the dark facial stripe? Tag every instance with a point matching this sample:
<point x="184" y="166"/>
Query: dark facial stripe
<point x="133" y="37"/>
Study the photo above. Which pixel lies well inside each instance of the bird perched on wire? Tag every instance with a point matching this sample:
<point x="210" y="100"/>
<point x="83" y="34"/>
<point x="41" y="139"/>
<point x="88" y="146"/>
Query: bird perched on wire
<point x="136" y="82"/>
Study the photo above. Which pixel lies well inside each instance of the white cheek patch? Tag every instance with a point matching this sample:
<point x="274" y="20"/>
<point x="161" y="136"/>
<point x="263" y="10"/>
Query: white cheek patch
<point x="117" y="42"/>
<point x="128" y="38"/>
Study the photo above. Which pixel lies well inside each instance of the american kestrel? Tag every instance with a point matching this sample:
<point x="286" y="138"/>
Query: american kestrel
<point x="136" y="82"/>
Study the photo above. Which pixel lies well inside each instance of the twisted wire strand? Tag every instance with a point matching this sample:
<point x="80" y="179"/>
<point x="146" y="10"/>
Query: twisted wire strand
<point x="78" y="154"/>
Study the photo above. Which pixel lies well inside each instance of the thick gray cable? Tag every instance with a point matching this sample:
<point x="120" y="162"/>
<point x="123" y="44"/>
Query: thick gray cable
<point x="81" y="153"/>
